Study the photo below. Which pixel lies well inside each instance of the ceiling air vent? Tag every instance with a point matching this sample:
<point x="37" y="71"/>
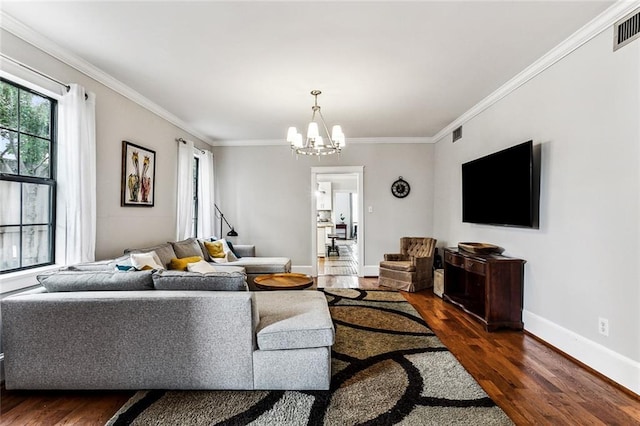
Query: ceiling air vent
<point x="457" y="134"/>
<point x="626" y="30"/>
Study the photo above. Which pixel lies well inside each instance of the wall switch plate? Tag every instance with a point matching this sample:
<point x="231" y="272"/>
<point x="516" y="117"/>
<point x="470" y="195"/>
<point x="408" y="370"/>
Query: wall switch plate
<point x="603" y="326"/>
<point x="370" y="209"/>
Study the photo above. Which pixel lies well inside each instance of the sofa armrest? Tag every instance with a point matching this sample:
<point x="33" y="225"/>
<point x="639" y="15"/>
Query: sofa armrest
<point x="245" y="250"/>
<point x="395" y="257"/>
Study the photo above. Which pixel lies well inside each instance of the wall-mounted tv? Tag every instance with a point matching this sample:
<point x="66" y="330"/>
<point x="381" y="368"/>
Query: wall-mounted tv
<point x="500" y="189"/>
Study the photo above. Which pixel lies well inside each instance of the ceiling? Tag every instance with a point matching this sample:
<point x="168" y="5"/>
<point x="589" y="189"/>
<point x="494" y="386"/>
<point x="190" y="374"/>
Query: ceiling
<point x="241" y="71"/>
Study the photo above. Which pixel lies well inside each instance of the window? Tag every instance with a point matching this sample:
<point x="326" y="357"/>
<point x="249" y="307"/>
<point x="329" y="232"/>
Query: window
<point x="27" y="177"/>
<point x="196" y="170"/>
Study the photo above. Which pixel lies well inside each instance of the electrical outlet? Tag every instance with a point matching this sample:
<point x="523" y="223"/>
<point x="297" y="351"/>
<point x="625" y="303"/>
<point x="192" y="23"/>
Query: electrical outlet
<point x="603" y="326"/>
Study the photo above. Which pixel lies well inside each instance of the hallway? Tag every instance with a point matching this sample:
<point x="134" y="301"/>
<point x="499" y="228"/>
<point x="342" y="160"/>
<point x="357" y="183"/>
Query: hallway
<point x="346" y="263"/>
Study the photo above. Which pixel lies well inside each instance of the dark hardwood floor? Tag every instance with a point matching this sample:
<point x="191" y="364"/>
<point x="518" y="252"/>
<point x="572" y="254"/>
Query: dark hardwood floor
<point x="531" y="382"/>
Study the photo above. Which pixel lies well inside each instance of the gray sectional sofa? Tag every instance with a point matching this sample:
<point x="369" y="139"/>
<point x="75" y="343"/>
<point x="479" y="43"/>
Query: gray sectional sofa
<point x="92" y="327"/>
<point x="161" y="339"/>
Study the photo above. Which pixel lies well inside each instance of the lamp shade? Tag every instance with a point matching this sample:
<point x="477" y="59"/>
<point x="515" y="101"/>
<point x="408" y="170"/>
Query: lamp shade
<point x="291" y="134"/>
<point x="312" y="131"/>
<point x="336" y="131"/>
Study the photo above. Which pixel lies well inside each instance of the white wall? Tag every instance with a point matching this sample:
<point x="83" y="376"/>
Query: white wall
<point x="583" y="261"/>
<point x="118" y="119"/>
<point x="265" y="194"/>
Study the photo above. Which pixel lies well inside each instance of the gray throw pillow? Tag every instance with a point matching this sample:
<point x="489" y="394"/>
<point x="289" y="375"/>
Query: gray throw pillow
<point x="214" y="281"/>
<point x="187" y="248"/>
<point x="96" y="281"/>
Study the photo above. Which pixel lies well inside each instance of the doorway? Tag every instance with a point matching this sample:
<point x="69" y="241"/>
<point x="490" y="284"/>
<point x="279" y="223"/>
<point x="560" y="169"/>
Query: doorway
<point x="337" y="224"/>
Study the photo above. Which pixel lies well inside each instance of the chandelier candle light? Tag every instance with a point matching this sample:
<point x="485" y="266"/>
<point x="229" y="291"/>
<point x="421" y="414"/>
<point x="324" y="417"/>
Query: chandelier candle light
<point x="315" y="144"/>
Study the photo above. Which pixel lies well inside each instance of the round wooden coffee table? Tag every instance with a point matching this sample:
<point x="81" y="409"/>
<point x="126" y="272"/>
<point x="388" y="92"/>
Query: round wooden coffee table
<point x="287" y="281"/>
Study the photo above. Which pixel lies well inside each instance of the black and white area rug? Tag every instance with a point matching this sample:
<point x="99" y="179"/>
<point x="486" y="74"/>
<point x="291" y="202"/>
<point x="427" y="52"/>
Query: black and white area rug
<point x="388" y="368"/>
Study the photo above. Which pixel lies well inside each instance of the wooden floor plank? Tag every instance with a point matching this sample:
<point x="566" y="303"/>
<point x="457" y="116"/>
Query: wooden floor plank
<point x="531" y="382"/>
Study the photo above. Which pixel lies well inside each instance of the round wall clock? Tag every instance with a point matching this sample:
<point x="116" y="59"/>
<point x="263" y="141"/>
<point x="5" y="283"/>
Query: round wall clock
<point x="400" y="188"/>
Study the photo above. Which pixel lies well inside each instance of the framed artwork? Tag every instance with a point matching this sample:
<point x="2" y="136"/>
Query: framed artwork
<point x="138" y="183"/>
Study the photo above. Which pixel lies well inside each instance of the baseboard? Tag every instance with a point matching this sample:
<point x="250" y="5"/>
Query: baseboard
<point x="301" y="269"/>
<point x="620" y="369"/>
<point x="371" y="270"/>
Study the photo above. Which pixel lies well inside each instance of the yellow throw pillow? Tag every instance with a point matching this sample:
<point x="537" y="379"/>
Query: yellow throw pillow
<point x="215" y="249"/>
<point x="181" y="264"/>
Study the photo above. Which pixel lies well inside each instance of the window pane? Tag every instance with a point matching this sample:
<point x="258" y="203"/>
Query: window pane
<point x="8" y="152"/>
<point x="10" y="196"/>
<point x="35" y="245"/>
<point x="35" y="114"/>
<point x="35" y="203"/>
<point x="8" y="106"/>
<point x="34" y="157"/>
<point x="9" y="248"/>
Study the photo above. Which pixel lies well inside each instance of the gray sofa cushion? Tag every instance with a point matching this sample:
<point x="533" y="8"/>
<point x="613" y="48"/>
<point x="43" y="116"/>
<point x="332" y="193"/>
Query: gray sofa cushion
<point x="214" y="281"/>
<point x="164" y="251"/>
<point x="263" y="265"/>
<point x="187" y="248"/>
<point x="96" y="281"/>
<point x="293" y="319"/>
<point x="102" y="265"/>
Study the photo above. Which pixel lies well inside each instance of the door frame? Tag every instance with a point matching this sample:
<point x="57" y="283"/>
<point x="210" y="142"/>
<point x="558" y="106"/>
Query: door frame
<point x="359" y="172"/>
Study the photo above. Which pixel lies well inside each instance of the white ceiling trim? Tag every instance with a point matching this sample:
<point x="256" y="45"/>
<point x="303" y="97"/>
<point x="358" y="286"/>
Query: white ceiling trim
<point x="26" y="33"/>
<point x="355" y="141"/>
<point x="600" y="23"/>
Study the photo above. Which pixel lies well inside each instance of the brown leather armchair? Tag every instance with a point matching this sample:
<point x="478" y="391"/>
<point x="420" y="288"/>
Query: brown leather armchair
<point x="412" y="268"/>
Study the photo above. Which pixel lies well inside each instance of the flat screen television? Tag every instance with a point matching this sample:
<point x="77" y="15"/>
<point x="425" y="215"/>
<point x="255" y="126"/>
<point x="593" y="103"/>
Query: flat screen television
<point x="499" y="189"/>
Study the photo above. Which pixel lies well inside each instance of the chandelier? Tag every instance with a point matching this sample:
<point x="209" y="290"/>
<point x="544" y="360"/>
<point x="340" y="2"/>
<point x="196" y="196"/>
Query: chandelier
<point x="315" y="143"/>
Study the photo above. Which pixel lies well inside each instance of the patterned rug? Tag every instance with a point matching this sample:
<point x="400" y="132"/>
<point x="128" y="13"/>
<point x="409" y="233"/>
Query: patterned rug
<point x="388" y="368"/>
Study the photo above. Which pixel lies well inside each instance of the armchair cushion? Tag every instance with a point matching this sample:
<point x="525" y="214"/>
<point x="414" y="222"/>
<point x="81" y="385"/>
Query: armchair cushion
<point x="398" y="265"/>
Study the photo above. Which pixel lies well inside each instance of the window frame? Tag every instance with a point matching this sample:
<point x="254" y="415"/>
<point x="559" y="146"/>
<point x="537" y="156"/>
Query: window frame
<point x="50" y="181"/>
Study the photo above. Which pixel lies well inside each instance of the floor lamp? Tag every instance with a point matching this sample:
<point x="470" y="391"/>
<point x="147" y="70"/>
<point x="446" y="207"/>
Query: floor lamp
<point x="231" y="233"/>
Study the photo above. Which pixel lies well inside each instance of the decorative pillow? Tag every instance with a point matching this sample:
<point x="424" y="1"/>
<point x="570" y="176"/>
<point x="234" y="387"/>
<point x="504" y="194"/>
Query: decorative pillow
<point x="96" y="281"/>
<point x="217" y="281"/>
<point x="164" y="251"/>
<point x="205" y="252"/>
<point x="227" y="250"/>
<point x="142" y="261"/>
<point x="187" y="248"/>
<point x="233" y="250"/>
<point x="181" y="264"/>
<point x="215" y="249"/>
<point x="202" y="267"/>
<point x="125" y="268"/>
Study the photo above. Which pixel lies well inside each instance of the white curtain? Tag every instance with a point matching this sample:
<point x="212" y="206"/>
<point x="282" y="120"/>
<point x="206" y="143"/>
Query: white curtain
<point x="184" y="223"/>
<point x="206" y="212"/>
<point x="77" y="173"/>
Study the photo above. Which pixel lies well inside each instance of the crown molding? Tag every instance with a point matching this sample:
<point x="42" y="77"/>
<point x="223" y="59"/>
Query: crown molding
<point x="20" y="30"/>
<point x="590" y="30"/>
<point x="349" y="141"/>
